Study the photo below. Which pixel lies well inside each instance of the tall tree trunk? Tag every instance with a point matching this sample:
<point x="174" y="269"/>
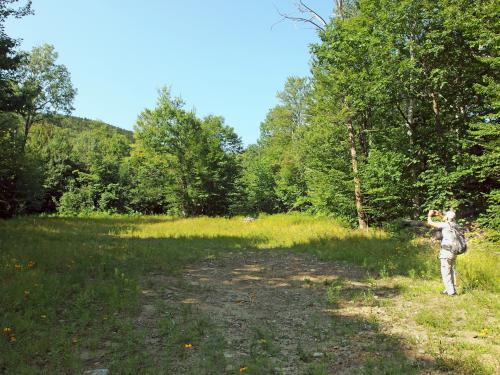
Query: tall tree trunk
<point x="435" y="109"/>
<point x="357" y="183"/>
<point x="411" y="103"/>
<point x="339" y="8"/>
<point x="364" y="135"/>
<point x="409" y="122"/>
<point x="340" y="11"/>
<point x="27" y="127"/>
<point x="410" y="126"/>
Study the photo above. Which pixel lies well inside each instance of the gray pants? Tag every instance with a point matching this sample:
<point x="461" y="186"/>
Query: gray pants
<point x="448" y="274"/>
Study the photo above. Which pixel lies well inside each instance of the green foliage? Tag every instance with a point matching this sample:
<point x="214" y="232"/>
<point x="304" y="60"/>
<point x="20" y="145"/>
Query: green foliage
<point x="198" y="159"/>
<point x="491" y="218"/>
<point x="145" y="175"/>
<point x="273" y="176"/>
<point x="44" y="85"/>
<point x="419" y="83"/>
<point x="10" y="59"/>
<point x="13" y="167"/>
<point x="80" y="124"/>
<point x="259" y="182"/>
<point x="21" y="174"/>
<point x="327" y="170"/>
<point x="10" y="164"/>
<point x="385" y="196"/>
<point x="74" y="202"/>
<point x="79" y="163"/>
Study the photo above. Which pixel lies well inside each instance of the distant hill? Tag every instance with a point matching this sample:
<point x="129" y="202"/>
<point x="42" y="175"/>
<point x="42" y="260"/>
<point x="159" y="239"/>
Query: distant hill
<point x="79" y="124"/>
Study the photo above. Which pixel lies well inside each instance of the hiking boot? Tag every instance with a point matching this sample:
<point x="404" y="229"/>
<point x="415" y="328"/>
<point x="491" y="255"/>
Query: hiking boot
<point x="448" y="294"/>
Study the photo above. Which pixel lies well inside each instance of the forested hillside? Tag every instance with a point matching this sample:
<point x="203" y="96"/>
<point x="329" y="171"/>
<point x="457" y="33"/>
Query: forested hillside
<point x="63" y="154"/>
<point x="79" y="124"/>
<point x="399" y="115"/>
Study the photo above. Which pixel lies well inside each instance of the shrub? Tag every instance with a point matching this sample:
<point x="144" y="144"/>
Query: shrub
<point x="74" y="202"/>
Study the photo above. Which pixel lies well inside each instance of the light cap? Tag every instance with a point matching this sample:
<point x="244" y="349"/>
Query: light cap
<point x="450" y="215"/>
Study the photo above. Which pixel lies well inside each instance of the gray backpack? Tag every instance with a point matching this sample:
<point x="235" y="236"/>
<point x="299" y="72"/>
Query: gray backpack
<point x="459" y="242"/>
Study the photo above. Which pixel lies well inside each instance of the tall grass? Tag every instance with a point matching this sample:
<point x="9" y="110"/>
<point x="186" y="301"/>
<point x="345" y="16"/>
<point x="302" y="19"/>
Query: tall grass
<point x="479" y="268"/>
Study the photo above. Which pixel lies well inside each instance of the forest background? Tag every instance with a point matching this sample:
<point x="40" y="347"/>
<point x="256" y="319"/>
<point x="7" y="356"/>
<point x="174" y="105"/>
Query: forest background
<point x="398" y="116"/>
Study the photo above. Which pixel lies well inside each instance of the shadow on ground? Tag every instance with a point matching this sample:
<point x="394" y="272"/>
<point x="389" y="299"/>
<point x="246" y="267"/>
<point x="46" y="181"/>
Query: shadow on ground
<point x="279" y="314"/>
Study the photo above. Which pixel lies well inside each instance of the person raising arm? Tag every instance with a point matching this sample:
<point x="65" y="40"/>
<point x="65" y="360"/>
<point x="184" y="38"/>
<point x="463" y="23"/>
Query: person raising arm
<point x="446" y="257"/>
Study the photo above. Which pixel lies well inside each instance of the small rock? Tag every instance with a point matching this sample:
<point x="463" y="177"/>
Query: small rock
<point x="100" y="353"/>
<point x="148" y="309"/>
<point x="85" y="355"/>
<point x="100" y="371"/>
<point x="318" y="355"/>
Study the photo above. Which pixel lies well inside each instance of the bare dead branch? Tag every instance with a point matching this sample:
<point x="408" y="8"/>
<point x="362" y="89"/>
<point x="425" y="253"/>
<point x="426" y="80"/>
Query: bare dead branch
<point x="314" y="13"/>
<point x="310" y="16"/>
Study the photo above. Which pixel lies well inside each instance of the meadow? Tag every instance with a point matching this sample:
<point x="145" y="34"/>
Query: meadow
<point x="72" y="289"/>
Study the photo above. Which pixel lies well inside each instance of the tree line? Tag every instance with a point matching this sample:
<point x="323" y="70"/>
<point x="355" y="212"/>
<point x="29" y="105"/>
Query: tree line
<point x="399" y="115"/>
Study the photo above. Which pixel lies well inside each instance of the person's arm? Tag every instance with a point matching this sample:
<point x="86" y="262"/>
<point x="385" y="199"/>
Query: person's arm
<point x="432" y="223"/>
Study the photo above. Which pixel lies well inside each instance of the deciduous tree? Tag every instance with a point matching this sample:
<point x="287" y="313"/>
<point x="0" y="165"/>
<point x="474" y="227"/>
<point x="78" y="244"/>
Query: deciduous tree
<point x="44" y="86"/>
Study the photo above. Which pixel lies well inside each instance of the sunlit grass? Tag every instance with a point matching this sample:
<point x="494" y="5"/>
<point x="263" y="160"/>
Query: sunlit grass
<point x="479" y="267"/>
<point x="268" y="232"/>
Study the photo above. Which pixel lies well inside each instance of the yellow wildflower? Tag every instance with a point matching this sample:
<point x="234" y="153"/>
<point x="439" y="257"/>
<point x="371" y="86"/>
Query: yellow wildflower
<point x="243" y="369"/>
<point x="7" y="330"/>
<point x="18" y="266"/>
<point x="188" y="346"/>
<point x="483" y="332"/>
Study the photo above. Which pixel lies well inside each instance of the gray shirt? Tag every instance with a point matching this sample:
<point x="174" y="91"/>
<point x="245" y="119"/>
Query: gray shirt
<point x="448" y="236"/>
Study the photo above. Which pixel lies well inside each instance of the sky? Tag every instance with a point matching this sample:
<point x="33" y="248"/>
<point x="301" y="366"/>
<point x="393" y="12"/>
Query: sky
<point x="223" y="57"/>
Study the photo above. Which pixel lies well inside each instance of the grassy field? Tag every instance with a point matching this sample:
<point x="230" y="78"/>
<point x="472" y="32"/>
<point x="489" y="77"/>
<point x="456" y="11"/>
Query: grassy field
<point x="72" y="286"/>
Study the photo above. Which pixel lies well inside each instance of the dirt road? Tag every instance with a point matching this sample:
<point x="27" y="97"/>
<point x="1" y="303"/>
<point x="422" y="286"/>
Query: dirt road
<point x="279" y="312"/>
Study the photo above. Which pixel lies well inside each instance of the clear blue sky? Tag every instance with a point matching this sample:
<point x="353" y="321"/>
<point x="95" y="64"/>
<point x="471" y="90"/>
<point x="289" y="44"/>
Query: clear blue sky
<point x="221" y="56"/>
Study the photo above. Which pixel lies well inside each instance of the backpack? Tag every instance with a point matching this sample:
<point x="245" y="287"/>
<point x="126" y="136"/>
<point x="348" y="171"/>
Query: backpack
<point x="459" y="242"/>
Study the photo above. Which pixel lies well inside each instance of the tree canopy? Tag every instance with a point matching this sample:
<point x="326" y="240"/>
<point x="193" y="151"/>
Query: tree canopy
<point x="44" y="86"/>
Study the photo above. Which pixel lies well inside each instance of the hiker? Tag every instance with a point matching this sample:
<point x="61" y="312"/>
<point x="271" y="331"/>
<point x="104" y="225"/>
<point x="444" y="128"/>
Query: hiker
<point x="446" y="256"/>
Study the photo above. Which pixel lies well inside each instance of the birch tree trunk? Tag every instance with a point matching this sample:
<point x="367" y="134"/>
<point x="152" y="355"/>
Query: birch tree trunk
<point x="357" y="182"/>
